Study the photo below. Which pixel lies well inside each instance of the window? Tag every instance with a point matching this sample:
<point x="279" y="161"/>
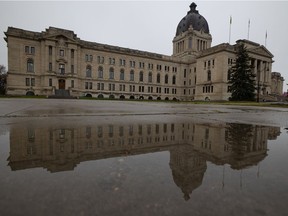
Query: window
<point x="229" y="75"/>
<point x="112" y="61"/>
<point x="32" y="81"/>
<point x="131" y="75"/>
<point x="29" y="50"/>
<point x="111" y="73"/>
<point x="141" y="78"/>
<point x="158" y="78"/>
<point x="141" y="88"/>
<point x="50" y="66"/>
<point x="111" y="87"/>
<point x="61" y="53"/>
<point x="88" y="85"/>
<point x="72" y="83"/>
<point x="88" y="58"/>
<point x="62" y="69"/>
<point x="50" y="82"/>
<point x="32" y="50"/>
<point x="141" y="64"/>
<point x="122" y="62"/>
<point x="166" y="79"/>
<point x="174" y="80"/>
<point x="27" y="81"/>
<point x="100" y="86"/>
<point x="122" y="74"/>
<point x="50" y="50"/>
<point x="72" y="69"/>
<point x="100" y="72"/>
<point x="132" y="64"/>
<point x="208" y="75"/>
<point x="100" y="59"/>
<point x="150" y="66"/>
<point x="72" y="53"/>
<point x="229" y="89"/>
<point x="88" y="71"/>
<point x="150" y="77"/>
<point x="184" y="73"/>
<point x="121" y="87"/>
<point x="132" y="88"/>
<point x="30" y="65"/>
<point x="159" y="67"/>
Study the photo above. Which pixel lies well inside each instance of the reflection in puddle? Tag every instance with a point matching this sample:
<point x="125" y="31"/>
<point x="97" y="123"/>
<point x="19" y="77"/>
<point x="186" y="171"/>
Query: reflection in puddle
<point x="190" y="145"/>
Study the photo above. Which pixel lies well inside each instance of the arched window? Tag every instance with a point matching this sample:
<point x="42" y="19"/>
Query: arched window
<point x="111" y="73"/>
<point x="166" y="79"/>
<point x="158" y="78"/>
<point x="208" y="75"/>
<point x="122" y="74"/>
<point x="141" y="78"/>
<point x="174" y="80"/>
<point x="100" y="72"/>
<point x="150" y="77"/>
<point x="131" y="75"/>
<point x="88" y="71"/>
<point x="30" y="65"/>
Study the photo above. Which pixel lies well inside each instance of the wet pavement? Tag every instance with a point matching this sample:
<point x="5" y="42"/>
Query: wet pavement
<point x="89" y="157"/>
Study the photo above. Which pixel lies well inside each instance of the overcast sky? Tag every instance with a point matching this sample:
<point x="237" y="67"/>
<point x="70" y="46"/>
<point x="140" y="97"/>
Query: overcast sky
<point x="151" y="25"/>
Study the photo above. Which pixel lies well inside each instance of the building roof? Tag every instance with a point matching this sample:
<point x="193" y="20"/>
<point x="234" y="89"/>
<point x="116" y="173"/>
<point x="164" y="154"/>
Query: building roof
<point x="194" y="19"/>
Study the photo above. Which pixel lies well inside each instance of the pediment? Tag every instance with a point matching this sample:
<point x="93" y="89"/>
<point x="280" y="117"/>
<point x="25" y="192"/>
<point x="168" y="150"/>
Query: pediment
<point x="62" y="36"/>
<point x="261" y="50"/>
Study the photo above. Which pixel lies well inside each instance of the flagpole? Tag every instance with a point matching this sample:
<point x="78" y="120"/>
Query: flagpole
<point x="230" y="29"/>
<point x="248" y="29"/>
<point x="266" y="39"/>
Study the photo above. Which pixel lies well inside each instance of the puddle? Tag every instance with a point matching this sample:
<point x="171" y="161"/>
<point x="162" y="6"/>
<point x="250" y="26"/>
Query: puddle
<point x="142" y="166"/>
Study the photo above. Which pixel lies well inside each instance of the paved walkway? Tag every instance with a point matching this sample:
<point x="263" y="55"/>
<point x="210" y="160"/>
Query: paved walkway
<point x="12" y="109"/>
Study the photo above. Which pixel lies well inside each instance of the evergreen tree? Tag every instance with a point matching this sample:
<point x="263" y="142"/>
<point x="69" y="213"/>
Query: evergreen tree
<point x="3" y="79"/>
<point x="241" y="77"/>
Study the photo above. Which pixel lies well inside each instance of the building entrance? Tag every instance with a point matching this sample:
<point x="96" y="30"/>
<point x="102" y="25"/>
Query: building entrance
<point x="61" y="84"/>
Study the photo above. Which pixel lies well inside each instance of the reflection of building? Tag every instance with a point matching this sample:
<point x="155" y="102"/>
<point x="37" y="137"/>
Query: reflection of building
<point x="57" y="62"/>
<point x="188" y="168"/>
<point x="190" y="146"/>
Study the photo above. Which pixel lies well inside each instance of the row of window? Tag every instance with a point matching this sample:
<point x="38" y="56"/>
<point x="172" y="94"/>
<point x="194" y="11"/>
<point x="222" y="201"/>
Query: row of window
<point x="131" y="75"/>
<point x="101" y="59"/>
<point x="132" y="64"/>
<point x="30" y="50"/>
<point x="62" y="53"/>
<point x="208" y="89"/>
<point x="122" y="87"/>
<point x="209" y="63"/>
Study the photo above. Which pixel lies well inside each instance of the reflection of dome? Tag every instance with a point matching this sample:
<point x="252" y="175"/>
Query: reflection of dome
<point x="194" y="19"/>
<point x="187" y="168"/>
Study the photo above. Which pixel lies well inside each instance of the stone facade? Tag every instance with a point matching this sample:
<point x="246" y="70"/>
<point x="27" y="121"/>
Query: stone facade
<point x="56" y="61"/>
<point x="276" y="84"/>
